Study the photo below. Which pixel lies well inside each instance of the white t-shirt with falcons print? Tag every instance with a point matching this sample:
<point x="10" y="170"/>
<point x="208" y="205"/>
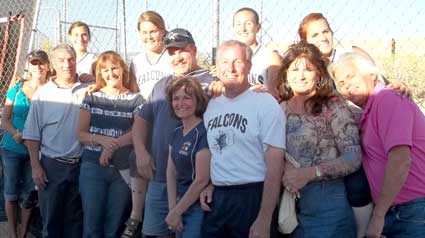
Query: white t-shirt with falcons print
<point x="239" y="131"/>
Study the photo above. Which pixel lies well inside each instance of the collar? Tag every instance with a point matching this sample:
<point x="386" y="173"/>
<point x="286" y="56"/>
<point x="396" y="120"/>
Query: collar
<point x="255" y="51"/>
<point x="83" y="57"/>
<point x="76" y="83"/>
<point x="155" y="61"/>
<point x="370" y="101"/>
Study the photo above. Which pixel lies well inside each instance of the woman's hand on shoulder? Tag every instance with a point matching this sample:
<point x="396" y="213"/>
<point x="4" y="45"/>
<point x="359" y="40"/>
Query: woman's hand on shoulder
<point x="92" y="88"/>
<point x="401" y="88"/>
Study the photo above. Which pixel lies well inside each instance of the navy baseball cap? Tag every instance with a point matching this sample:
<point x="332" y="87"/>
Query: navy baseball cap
<point x="179" y="38"/>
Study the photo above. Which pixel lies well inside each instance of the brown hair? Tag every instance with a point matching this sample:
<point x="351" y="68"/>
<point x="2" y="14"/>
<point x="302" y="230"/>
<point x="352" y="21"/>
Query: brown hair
<point x="115" y="58"/>
<point x="153" y="17"/>
<point x="302" y="29"/>
<point x="247" y="9"/>
<point x="192" y="87"/>
<point x="78" y="24"/>
<point x="325" y="86"/>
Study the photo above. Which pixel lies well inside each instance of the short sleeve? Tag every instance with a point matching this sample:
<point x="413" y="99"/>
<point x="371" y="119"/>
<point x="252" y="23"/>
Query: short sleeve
<point x="138" y="104"/>
<point x="172" y="135"/>
<point x="32" y="127"/>
<point x="392" y="112"/>
<point x="203" y="141"/>
<point x="87" y="102"/>
<point x="146" y="111"/>
<point x="272" y="123"/>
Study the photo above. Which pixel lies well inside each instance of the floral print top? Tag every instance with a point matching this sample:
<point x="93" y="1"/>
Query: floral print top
<point x="329" y="140"/>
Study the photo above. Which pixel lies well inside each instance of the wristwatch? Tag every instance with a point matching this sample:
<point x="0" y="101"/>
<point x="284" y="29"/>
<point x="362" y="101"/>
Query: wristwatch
<point x="318" y="173"/>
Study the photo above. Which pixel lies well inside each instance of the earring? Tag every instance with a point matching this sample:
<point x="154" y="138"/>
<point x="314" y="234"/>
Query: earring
<point x="319" y="83"/>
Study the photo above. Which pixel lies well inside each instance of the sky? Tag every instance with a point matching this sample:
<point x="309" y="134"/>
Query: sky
<point x="349" y="19"/>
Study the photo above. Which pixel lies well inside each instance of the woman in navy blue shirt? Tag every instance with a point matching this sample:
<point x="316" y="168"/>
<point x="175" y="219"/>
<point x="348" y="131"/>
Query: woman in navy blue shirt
<point x="189" y="159"/>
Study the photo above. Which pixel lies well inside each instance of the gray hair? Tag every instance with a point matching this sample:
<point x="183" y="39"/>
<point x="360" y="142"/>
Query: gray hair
<point x="232" y="43"/>
<point x="363" y="65"/>
<point x="64" y="46"/>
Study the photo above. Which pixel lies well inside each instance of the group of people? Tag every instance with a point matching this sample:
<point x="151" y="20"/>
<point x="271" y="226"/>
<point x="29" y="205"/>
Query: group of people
<point x="168" y="149"/>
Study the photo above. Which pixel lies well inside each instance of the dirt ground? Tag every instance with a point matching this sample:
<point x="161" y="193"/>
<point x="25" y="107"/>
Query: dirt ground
<point x="3" y="230"/>
<point x="5" y="234"/>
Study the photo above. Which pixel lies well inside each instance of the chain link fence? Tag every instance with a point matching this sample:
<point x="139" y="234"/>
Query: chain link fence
<point x="390" y="30"/>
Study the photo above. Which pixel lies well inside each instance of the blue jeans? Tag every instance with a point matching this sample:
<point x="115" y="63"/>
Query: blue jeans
<point x="323" y="211"/>
<point x="60" y="202"/>
<point x="406" y="220"/>
<point x="106" y="200"/>
<point x="17" y="175"/>
<point x="192" y="222"/>
<point x="156" y="210"/>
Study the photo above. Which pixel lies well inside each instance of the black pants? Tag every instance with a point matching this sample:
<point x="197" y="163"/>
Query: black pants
<point x="233" y="211"/>
<point x="357" y="186"/>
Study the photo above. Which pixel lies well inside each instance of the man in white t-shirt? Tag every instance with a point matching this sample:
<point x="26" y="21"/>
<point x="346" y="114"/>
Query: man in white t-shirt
<point x="246" y="136"/>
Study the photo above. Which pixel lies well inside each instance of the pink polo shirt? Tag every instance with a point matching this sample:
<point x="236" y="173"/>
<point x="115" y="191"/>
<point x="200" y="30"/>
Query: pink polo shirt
<point x="389" y="120"/>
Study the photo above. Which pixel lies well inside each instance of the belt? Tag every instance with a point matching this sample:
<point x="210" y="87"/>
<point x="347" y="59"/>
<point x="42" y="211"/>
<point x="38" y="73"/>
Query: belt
<point x="74" y="160"/>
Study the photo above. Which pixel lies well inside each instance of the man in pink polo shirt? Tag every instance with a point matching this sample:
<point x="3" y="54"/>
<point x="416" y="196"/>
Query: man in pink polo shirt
<point x="393" y="142"/>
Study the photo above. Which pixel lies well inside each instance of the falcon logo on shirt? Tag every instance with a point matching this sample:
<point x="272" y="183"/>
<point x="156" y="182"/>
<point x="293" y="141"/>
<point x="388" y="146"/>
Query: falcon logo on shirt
<point x="223" y="140"/>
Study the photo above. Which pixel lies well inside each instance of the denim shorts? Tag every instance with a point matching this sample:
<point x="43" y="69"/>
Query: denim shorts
<point x="406" y="220"/>
<point x="192" y="222"/>
<point x="156" y="210"/>
<point x="133" y="165"/>
<point x="17" y="175"/>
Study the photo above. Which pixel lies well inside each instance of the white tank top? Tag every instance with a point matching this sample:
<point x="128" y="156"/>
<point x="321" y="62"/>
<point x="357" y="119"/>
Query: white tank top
<point x="84" y="65"/>
<point x="261" y="59"/>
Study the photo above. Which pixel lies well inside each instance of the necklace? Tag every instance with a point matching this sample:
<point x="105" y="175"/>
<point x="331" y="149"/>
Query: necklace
<point x="114" y="97"/>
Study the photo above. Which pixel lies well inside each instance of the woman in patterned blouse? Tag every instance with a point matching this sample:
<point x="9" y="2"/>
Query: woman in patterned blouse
<point x="323" y="138"/>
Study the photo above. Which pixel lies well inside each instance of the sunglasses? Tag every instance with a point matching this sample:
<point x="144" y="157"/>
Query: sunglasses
<point x="36" y="62"/>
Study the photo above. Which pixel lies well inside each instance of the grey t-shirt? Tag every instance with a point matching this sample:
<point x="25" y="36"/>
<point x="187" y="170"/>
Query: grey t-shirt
<point x="157" y="113"/>
<point x="53" y="119"/>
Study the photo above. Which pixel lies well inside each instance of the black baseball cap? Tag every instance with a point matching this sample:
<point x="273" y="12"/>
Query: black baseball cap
<point x="38" y="55"/>
<point x="179" y="38"/>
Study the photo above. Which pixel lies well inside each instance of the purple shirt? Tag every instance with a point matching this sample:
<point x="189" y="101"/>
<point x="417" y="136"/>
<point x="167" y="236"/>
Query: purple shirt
<point x="390" y="120"/>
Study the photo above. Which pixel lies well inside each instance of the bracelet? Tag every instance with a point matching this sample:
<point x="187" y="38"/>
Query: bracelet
<point x="15" y="132"/>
